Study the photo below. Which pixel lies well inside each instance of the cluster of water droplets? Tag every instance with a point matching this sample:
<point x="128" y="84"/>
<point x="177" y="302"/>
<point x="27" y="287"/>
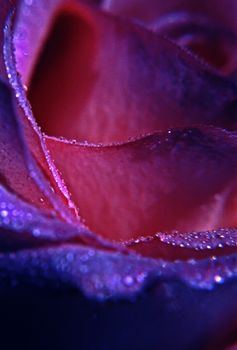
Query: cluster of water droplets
<point x="98" y="273"/>
<point x="203" y="240"/>
<point x="104" y="275"/>
<point x="27" y="220"/>
<point x="213" y="239"/>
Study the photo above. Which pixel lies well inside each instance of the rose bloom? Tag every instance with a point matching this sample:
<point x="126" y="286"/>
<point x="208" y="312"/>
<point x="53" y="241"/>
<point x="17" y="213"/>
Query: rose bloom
<point x="118" y="169"/>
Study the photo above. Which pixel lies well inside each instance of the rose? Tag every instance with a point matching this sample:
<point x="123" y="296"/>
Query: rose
<point x="128" y="279"/>
<point x="77" y="266"/>
<point x="134" y="67"/>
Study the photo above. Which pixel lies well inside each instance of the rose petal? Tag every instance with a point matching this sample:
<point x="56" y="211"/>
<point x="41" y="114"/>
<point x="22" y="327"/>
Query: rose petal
<point x="151" y="91"/>
<point x="163" y="314"/>
<point x="222" y="12"/>
<point x="206" y="28"/>
<point x="102" y="275"/>
<point x="193" y="245"/>
<point x="208" y="40"/>
<point x="13" y="165"/>
<point x="23" y="225"/>
<point x="158" y="183"/>
<point x="50" y="185"/>
<point x="5" y="8"/>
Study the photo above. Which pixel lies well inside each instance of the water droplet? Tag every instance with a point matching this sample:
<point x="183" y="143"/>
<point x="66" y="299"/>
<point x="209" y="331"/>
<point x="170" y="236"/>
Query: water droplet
<point x="36" y="232"/>
<point x="141" y="277"/>
<point x="218" y="279"/>
<point x="4" y="213"/>
<point x="83" y="269"/>
<point x="128" y="280"/>
<point x="70" y="257"/>
<point x="91" y="252"/>
<point x="192" y="262"/>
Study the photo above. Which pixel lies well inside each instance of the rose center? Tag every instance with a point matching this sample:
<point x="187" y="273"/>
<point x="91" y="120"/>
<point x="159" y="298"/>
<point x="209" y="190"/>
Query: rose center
<point x="213" y="44"/>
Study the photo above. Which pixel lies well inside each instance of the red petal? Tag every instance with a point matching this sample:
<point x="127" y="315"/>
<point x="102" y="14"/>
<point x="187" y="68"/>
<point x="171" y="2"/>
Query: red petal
<point x="120" y="80"/>
<point x="180" y="180"/>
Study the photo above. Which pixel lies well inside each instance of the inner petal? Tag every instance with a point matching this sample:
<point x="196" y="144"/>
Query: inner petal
<point x="223" y="13"/>
<point x="182" y="180"/>
<point x="102" y="79"/>
<point x="211" y="42"/>
<point x="207" y="28"/>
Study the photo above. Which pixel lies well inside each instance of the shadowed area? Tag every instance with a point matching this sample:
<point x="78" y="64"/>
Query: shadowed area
<point x="63" y="75"/>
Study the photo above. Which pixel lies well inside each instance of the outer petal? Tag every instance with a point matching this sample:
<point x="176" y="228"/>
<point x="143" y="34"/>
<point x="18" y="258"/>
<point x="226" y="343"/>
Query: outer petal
<point x="161" y="316"/>
<point x="28" y="133"/>
<point x="14" y="168"/>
